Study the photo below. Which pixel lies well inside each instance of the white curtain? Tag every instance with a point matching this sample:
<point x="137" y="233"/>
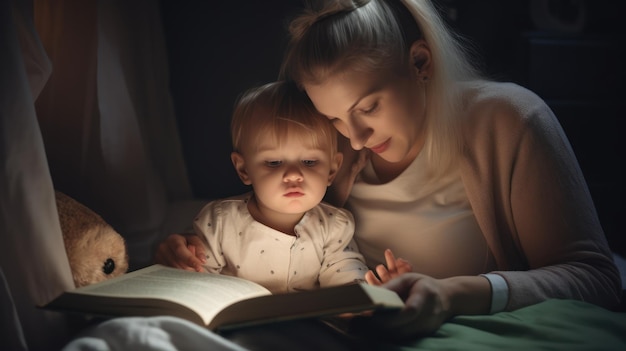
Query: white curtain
<point x="84" y="108"/>
<point x="33" y="263"/>
<point x="107" y="117"/>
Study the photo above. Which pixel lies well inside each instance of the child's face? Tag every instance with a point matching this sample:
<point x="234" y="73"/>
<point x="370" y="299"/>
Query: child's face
<point x="289" y="178"/>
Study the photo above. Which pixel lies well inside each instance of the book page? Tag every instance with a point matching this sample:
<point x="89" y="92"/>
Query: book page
<point x="203" y="292"/>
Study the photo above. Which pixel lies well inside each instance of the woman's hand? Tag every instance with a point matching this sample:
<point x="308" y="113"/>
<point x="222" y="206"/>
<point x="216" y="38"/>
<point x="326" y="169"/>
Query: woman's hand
<point x="395" y="267"/>
<point x="427" y="307"/>
<point x="429" y="302"/>
<point x="183" y="251"/>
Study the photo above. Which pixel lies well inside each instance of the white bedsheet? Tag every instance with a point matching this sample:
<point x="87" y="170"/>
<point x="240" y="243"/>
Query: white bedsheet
<point x="160" y="333"/>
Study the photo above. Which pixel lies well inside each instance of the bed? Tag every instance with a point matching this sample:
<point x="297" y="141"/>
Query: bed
<point x="550" y="325"/>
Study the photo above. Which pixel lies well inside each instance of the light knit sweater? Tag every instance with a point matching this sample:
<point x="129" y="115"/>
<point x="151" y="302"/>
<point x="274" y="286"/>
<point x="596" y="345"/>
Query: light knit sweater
<point x="530" y="199"/>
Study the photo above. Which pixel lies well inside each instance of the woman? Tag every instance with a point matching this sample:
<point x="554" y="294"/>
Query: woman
<point x="473" y="182"/>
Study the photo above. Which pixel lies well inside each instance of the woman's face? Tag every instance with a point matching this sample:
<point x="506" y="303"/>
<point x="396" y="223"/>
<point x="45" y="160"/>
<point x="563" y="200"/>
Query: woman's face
<point x="383" y="111"/>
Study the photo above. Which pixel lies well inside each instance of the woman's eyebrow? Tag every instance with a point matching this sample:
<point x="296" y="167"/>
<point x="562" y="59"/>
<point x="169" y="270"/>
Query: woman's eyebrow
<point x="356" y="103"/>
<point x="374" y="89"/>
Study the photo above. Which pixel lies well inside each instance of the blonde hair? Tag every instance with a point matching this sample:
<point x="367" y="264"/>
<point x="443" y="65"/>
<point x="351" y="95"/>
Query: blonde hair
<point x="370" y="35"/>
<point x="279" y="109"/>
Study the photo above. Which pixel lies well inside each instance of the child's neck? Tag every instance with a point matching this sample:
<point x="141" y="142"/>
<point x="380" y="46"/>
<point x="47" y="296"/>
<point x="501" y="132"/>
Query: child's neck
<point x="283" y="222"/>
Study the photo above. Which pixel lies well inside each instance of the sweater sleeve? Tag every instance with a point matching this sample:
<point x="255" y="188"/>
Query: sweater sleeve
<point x="538" y="215"/>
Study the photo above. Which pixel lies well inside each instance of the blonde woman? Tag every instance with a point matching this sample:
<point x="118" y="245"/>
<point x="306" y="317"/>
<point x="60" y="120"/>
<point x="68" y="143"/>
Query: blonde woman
<point x="472" y="181"/>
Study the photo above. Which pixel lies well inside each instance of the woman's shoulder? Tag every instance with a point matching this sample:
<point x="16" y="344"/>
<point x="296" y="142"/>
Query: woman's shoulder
<point x="499" y="94"/>
<point x="502" y="104"/>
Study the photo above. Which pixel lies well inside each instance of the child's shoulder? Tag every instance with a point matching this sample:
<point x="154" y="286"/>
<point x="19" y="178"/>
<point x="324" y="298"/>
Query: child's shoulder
<point x="236" y="199"/>
<point x="228" y="204"/>
<point x="329" y="211"/>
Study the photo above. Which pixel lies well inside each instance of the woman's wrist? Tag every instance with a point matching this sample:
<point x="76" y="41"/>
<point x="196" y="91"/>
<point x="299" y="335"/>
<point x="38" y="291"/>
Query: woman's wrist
<point x="468" y="295"/>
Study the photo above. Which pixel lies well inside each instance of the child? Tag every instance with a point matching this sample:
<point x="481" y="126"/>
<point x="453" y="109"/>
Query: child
<point x="281" y="235"/>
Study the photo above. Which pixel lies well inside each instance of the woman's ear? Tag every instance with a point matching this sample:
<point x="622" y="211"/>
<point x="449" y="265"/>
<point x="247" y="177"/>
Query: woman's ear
<point x="421" y="60"/>
<point x="240" y="166"/>
<point x="335" y="164"/>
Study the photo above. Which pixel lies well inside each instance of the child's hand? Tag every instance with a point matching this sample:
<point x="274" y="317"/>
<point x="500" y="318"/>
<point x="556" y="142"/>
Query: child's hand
<point x="395" y="267"/>
<point x="181" y="251"/>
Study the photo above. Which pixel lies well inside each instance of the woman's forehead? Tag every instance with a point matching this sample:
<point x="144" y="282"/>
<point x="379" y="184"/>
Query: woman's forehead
<point x="341" y="92"/>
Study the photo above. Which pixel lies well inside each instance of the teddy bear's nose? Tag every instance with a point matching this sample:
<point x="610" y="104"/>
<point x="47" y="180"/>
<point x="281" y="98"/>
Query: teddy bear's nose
<point x="109" y="266"/>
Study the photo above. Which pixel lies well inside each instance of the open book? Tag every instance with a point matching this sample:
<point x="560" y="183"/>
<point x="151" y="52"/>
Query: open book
<point x="218" y="302"/>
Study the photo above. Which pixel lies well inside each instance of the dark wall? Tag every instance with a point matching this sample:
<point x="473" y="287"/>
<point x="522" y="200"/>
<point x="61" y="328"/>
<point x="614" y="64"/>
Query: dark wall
<point x="217" y="51"/>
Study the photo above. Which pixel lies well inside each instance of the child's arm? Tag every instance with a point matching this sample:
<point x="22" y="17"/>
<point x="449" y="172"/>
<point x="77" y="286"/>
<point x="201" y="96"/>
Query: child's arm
<point x="395" y="267"/>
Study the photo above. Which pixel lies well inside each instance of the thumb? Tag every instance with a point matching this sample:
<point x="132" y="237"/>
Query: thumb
<point x="403" y="284"/>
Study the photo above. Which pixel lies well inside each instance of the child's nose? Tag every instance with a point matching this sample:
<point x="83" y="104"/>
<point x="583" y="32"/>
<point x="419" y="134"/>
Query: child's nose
<point x="292" y="174"/>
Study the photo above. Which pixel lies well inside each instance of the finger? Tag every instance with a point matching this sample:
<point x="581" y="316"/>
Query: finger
<point x="196" y="241"/>
<point x="188" y="259"/>
<point x="391" y="261"/>
<point x="178" y="254"/>
<point x="181" y="258"/>
<point x="371" y="278"/>
<point x="382" y="272"/>
<point x="403" y="283"/>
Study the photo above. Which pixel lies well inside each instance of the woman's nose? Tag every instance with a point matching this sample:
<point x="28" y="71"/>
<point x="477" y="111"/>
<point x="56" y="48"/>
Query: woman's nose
<point x="359" y="133"/>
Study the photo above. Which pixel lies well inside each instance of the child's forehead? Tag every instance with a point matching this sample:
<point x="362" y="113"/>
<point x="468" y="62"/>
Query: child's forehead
<point x="272" y="141"/>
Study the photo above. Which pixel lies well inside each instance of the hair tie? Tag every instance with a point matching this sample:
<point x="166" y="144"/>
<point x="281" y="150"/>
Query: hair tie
<point x="317" y="10"/>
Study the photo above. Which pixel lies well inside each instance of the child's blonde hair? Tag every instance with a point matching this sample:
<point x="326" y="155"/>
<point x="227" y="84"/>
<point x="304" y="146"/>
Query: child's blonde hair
<point x="279" y="109"/>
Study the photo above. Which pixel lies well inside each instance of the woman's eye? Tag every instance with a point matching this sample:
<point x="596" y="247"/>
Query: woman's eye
<point x="310" y="163"/>
<point x="370" y="110"/>
<point x="273" y="164"/>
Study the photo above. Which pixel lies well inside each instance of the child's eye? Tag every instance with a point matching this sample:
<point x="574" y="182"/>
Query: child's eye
<point x="310" y="163"/>
<point x="273" y="164"/>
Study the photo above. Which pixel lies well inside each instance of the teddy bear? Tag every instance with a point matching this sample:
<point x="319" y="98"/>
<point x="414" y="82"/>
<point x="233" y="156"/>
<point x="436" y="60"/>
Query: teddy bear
<point x="95" y="251"/>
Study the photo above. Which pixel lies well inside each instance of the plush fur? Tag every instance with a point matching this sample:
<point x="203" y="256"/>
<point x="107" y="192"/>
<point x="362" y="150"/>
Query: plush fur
<point x="95" y="250"/>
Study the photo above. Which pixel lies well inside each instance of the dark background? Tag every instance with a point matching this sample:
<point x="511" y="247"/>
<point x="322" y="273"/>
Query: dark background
<point x="569" y="52"/>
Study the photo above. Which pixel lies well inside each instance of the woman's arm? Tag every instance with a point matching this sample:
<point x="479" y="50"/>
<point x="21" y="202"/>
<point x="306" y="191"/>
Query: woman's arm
<point x="532" y="202"/>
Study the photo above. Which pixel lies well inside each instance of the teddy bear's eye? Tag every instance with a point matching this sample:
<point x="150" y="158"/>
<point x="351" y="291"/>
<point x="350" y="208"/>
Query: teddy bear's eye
<point x="109" y="266"/>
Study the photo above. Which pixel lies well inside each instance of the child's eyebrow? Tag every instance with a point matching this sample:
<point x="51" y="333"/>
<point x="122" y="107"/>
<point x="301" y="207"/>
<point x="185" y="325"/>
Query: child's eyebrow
<point x="264" y="149"/>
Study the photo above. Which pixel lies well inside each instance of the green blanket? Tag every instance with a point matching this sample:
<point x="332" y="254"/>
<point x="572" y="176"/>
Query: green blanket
<point x="550" y="325"/>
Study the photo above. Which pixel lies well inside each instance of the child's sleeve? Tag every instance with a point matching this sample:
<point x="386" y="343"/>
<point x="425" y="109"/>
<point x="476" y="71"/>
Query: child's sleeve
<point x="207" y="225"/>
<point x="342" y="262"/>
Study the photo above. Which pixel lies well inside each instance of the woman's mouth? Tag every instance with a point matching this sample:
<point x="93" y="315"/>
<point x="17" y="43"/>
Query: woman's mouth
<point x="381" y="147"/>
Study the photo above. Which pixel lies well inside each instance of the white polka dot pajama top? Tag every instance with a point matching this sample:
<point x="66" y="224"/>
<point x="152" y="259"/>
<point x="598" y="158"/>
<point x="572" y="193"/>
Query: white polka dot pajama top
<point x="322" y="253"/>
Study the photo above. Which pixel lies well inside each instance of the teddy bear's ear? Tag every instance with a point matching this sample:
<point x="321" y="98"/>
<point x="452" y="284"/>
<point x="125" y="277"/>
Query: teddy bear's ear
<point x="94" y="249"/>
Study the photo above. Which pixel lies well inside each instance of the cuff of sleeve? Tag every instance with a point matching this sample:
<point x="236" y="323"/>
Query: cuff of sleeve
<point x="499" y="292"/>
